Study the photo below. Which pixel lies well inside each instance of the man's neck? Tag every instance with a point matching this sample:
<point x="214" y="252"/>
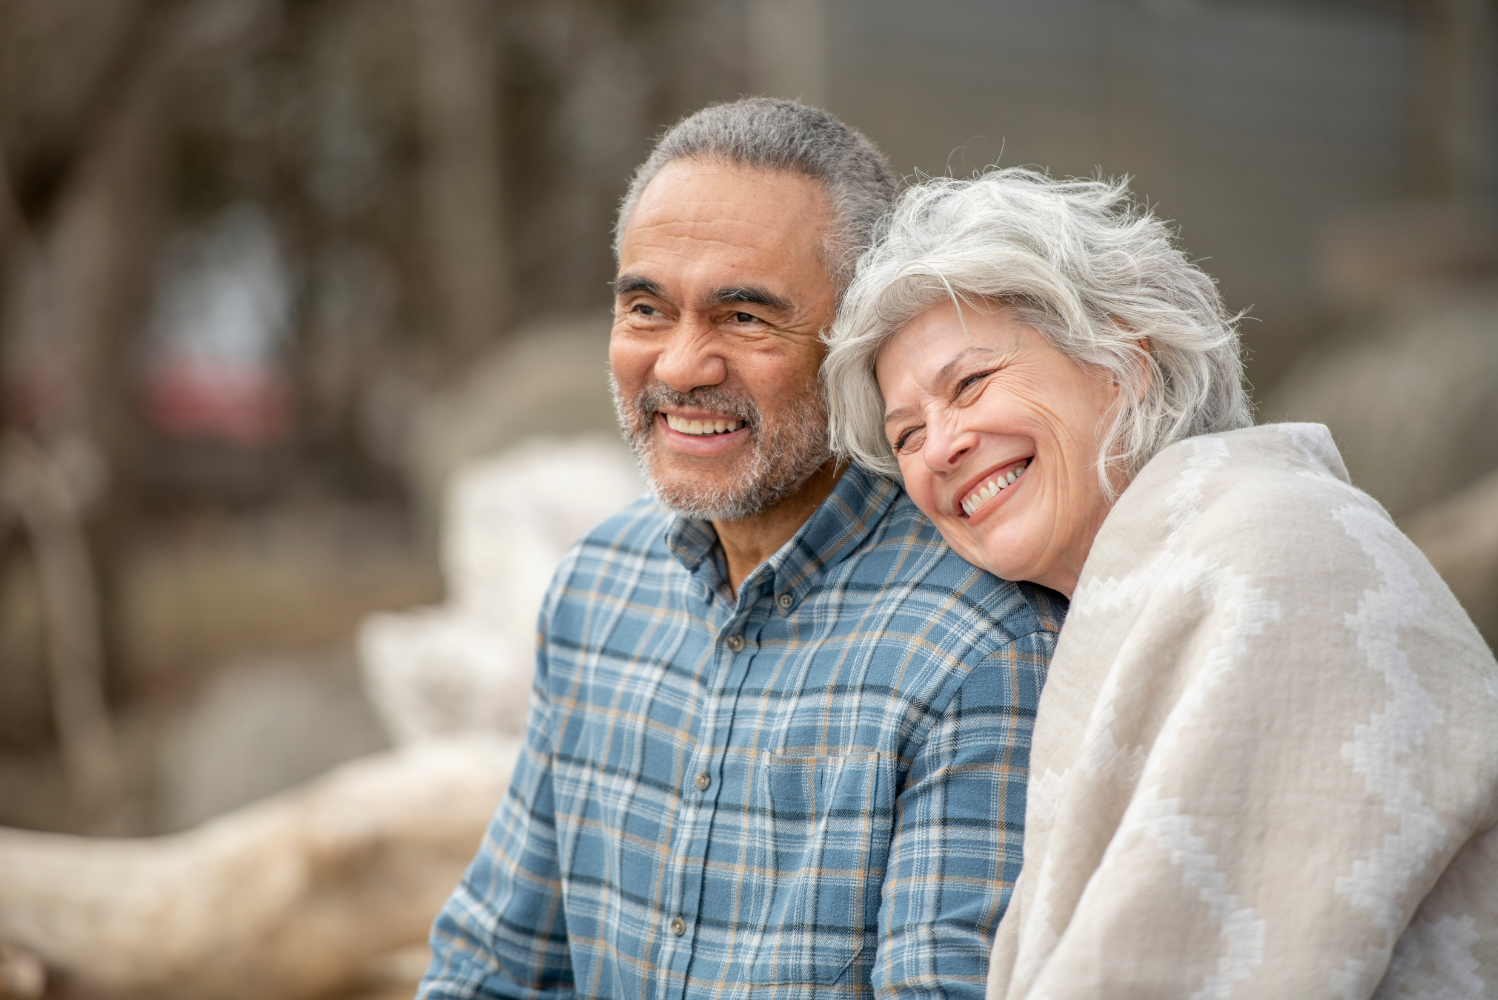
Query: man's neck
<point x="751" y="541"/>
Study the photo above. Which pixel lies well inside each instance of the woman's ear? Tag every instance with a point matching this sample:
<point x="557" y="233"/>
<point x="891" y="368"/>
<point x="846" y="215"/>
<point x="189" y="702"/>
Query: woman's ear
<point x="1141" y="361"/>
<point x="1144" y="370"/>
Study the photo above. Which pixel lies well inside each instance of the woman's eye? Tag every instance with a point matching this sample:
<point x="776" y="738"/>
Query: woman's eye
<point x="967" y="383"/>
<point x="905" y="441"/>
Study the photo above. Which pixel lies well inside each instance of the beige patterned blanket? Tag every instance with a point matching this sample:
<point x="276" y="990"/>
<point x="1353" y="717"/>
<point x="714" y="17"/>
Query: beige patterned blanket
<point x="1266" y="757"/>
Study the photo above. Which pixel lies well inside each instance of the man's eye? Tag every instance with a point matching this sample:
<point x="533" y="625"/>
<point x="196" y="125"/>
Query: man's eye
<point x="745" y="318"/>
<point x="645" y="310"/>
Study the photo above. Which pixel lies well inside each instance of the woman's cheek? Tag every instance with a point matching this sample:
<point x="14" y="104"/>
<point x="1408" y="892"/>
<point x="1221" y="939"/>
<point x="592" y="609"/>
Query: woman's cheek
<point x="923" y="499"/>
<point x="917" y="486"/>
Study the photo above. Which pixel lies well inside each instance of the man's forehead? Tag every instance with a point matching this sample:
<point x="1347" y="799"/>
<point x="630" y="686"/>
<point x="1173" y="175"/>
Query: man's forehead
<point x="687" y="187"/>
<point x="704" y="233"/>
<point x="689" y="207"/>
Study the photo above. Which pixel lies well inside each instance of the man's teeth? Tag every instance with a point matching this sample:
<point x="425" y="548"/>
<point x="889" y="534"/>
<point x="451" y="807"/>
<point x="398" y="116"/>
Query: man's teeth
<point x="990" y="489"/>
<point x="702" y="427"/>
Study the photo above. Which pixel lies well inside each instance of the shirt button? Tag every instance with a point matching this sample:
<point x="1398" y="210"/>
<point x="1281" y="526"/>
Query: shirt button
<point x="736" y="643"/>
<point x="678" y="926"/>
<point x="784" y="600"/>
<point x="703" y="781"/>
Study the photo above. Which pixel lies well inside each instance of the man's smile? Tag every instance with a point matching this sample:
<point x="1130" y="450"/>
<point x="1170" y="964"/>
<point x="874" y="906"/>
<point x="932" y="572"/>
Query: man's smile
<point x="698" y="426"/>
<point x="704" y="434"/>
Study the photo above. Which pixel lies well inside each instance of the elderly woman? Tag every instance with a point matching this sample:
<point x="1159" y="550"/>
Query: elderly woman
<point x="1266" y="758"/>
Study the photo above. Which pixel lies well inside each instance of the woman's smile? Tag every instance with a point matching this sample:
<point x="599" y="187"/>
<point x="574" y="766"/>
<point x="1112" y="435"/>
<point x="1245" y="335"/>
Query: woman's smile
<point x="978" y="500"/>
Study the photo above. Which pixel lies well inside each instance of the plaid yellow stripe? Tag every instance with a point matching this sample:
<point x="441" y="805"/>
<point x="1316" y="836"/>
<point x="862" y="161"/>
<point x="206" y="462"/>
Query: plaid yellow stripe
<point x="813" y="787"/>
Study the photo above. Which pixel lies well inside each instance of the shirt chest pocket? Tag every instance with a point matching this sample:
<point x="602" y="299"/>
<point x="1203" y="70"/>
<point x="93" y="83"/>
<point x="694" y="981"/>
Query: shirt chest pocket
<point x="820" y="840"/>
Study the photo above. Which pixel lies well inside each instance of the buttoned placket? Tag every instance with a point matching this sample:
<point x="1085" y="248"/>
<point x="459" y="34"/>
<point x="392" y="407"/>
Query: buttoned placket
<point x="736" y="631"/>
<point x="776" y="590"/>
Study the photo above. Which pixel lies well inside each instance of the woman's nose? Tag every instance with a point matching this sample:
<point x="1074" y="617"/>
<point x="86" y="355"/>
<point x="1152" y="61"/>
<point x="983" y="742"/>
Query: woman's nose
<point x="945" y="446"/>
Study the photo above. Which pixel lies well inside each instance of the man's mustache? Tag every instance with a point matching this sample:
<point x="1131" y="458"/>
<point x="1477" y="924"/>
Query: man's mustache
<point x="657" y="396"/>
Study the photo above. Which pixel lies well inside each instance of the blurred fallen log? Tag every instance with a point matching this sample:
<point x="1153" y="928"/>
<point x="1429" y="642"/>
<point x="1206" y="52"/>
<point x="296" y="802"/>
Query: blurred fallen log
<point x="22" y="975"/>
<point x="1460" y="537"/>
<point x="295" y="897"/>
<point x="327" y="888"/>
<point x="508" y="521"/>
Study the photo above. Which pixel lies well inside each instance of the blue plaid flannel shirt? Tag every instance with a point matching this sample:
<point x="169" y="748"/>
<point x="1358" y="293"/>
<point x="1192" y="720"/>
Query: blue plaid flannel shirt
<point x="815" y="786"/>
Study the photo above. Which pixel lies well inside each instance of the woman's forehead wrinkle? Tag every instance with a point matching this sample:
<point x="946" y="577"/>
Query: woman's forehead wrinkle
<point x="944" y="374"/>
<point x="897" y="413"/>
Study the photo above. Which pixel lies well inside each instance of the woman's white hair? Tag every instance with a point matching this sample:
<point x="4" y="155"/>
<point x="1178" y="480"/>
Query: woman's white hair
<point x="1079" y="260"/>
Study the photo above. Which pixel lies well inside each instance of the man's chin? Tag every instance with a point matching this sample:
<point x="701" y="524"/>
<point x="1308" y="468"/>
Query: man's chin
<point x="737" y="482"/>
<point x="697" y="496"/>
<point x="709" y="489"/>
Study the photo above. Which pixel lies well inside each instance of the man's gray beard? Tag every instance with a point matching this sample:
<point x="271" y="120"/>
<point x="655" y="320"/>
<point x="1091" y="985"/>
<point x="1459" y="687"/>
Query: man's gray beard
<point x="787" y="450"/>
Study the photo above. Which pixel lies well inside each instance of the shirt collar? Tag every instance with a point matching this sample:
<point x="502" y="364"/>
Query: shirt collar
<point x="857" y="503"/>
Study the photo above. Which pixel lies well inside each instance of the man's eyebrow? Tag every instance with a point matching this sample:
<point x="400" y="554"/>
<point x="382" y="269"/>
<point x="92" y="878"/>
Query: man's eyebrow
<point x="755" y="295"/>
<point x="627" y="283"/>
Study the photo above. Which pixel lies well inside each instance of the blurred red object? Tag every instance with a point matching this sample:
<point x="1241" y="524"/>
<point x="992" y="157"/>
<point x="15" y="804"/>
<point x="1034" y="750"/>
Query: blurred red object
<point x="244" y="405"/>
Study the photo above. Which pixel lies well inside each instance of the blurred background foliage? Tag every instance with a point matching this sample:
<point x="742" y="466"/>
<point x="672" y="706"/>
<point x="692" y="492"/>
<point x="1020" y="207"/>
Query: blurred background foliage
<point x="271" y="269"/>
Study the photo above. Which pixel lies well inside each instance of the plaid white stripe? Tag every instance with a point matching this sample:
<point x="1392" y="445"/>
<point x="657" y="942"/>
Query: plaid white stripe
<point x="813" y="787"/>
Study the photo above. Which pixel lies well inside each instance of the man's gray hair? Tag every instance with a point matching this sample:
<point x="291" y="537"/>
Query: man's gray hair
<point x="1079" y="260"/>
<point x="766" y="134"/>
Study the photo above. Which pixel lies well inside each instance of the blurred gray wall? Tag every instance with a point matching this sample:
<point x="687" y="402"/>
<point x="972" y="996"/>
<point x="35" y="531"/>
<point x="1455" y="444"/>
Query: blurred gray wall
<point x="1254" y="124"/>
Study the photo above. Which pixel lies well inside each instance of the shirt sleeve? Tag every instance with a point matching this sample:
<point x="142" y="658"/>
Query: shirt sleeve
<point x="503" y="932"/>
<point x="959" y="828"/>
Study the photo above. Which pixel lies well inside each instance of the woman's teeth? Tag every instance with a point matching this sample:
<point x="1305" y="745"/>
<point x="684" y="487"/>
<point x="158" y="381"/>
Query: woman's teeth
<point x="991" y="489"/>
<point x="702" y="427"/>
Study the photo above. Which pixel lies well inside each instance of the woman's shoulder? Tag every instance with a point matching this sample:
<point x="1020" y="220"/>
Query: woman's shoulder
<point x="1265" y="519"/>
<point x="1250" y="486"/>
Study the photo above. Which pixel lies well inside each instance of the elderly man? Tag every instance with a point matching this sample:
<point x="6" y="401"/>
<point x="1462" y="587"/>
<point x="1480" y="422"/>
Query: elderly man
<point x="779" y="731"/>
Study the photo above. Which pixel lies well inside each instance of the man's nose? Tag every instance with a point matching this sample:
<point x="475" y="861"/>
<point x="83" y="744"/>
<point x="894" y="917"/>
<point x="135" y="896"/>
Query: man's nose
<point x="691" y="358"/>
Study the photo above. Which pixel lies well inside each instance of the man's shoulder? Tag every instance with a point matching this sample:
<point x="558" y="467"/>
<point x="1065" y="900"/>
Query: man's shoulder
<point x="913" y="564"/>
<point x="620" y="545"/>
<point x="639" y="527"/>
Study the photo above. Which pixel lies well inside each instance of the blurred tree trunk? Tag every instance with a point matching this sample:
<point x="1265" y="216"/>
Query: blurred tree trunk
<point x="98" y="258"/>
<point x="463" y="204"/>
<point x="36" y="497"/>
<point x="77" y="237"/>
